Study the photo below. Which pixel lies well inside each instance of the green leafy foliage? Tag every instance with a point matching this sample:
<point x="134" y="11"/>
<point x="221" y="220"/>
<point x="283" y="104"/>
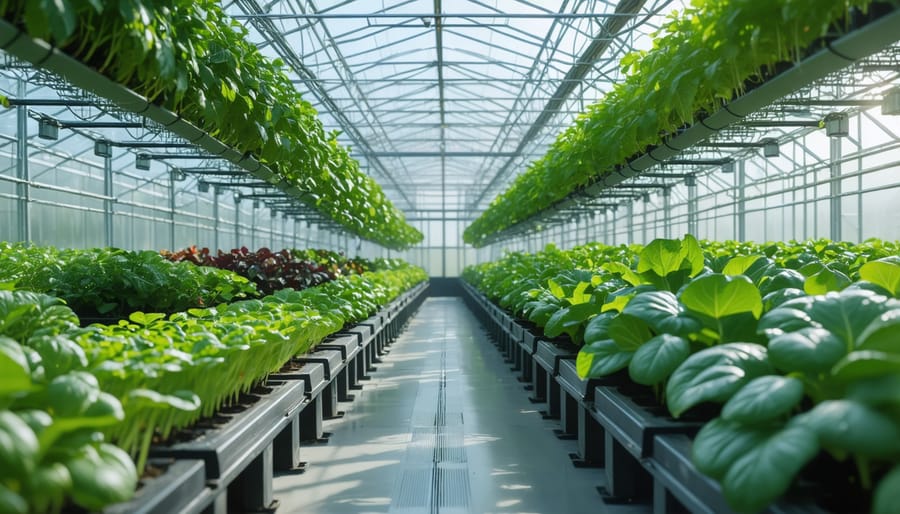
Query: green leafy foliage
<point x="68" y="392"/>
<point x="701" y="58"/>
<point x="797" y="373"/>
<point x="191" y="58"/>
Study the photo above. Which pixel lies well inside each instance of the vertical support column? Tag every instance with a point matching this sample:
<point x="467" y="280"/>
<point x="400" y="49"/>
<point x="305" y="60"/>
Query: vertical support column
<point x="835" y="190"/>
<point x="667" y="212"/>
<point x="23" y="189"/>
<point x="172" y="210"/>
<point x="741" y="214"/>
<point x="108" y="203"/>
<point x="237" y="217"/>
<point x="216" y="245"/>
<point x="629" y="223"/>
<point x="692" y="206"/>
<point x="615" y="221"/>
<point x="272" y="215"/>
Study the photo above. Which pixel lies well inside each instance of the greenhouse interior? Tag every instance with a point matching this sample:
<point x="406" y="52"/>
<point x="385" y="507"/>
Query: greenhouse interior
<point x="459" y="256"/>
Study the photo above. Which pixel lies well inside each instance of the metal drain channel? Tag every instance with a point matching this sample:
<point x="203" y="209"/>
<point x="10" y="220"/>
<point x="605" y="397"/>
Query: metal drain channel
<point x="435" y="474"/>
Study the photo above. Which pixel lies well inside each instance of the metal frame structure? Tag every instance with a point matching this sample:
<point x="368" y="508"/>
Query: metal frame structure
<point x="444" y="103"/>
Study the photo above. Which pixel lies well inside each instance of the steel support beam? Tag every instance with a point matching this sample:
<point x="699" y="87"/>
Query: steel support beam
<point x="612" y="25"/>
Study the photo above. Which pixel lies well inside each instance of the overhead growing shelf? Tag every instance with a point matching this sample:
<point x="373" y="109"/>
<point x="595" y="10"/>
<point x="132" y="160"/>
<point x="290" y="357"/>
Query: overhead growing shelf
<point x="188" y="69"/>
<point x="702" y="75"/>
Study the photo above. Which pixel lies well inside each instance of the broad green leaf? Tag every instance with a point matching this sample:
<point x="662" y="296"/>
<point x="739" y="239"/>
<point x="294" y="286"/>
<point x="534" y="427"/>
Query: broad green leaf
<point x="629" y="332"/>
<point x="865" y="364"/>
<point x="766" y="471"/>
<point x="784" y="279"/>
<point x="738" y="265"/>
<point x="627" y="274"/>
<point x="825" y="281"/>
<point x="12" y="503"/>
<point x="878" y="391"/>
<point x="101" y="476"/>
<point x="808" y="350"/>
<point x="18" y="447"/>
<point x="656" y="359"/>
<point x="597" y="328"/>
<point x="717" y="296"/>
<point x="569" y="320"/>
<point x="776" y="298"/>
<point x="715" y="374"/>
<point x="600" y="359"/>
<point x="887" y="493"/>
<point x="764" y="399"/>
<point x="578" y="295"/>
<point x="721" y="442"/>
<point x="884" y="273"/>
<point x="59" y="354"/>
<point x="661" y="256"/>
<point x="662" y="312"/>
<point x="555" y="289"/>
<point x="882" y="334"/>
<point x="782" y="320"/>
<point x="691" y="251"/>
<point x="848" y="313"/>
<point x="852" y="427"/>
<point x="616" y="303"/>
<point x="70" y="395"/>
<point x="47" y="486"/>
<point x="14" y="368"/>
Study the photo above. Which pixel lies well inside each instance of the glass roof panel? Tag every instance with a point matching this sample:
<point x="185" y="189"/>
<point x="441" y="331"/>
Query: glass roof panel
<point x="459" y="92"/>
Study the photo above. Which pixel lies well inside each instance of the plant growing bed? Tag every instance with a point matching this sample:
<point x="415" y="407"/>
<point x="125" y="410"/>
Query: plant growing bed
<point x="545" y="369"/>
<point x="234" y="447"/>
<point x="180" y="487"/>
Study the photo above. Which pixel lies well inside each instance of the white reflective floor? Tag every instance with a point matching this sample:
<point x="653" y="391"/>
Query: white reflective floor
<point x="442" y="427"/>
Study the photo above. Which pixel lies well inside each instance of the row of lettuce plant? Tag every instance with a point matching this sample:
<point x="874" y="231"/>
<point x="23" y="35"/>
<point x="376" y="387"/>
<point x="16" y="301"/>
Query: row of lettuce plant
<point x="701" y="58"/>
<point x="80" y="406"/>
<point x="190" y="57"/>
<point x="271" y="271"/>
<point x="790" y="351"/>
<point x="110" y="283"/>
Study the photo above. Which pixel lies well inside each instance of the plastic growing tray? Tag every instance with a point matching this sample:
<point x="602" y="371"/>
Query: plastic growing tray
<point x="181" y="488"/>
<point x="228" y="449"/>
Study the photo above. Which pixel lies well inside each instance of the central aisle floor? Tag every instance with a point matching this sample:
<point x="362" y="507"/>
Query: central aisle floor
<point x="442" y="427"/>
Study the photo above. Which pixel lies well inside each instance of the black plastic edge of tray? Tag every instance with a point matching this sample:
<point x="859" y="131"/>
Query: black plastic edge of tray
<point x="347" y="344"/>
<point x="581" y="389"/>
<point x="332" y="360"/>
<point x="227" y="450"/>
<point x="182" y="483"/>
<point x="632" y="425"/>
<point x="548" y="355"/>
<point x="312" y="374"/>
<point x="672" y="466"/>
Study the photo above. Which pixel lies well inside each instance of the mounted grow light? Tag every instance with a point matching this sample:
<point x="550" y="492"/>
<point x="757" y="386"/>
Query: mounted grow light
<point x="837" y="125"/>
<point x="690" y="181"/>
<point x="142" y="161"/>
<point x="202" y="186"/>
<point x="102" y="148"/>
<point x="890" y="106"/>
<point x="48" y="129"/>
<point x="770" y="148"/>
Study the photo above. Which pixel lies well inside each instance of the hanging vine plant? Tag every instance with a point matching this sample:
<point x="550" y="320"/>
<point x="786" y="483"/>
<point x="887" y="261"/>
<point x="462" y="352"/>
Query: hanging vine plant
<point x="700" y="60"/>
<point x="189" y="57"/>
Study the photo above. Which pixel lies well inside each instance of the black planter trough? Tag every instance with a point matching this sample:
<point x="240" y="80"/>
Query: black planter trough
<point x="576" y="400"/>
<point x="629" y="429"/>
<point x="180" y="488"/>
<point x="348" y="346"/>
<point x="545" y="369"/>
<point x="238" y="454"/>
